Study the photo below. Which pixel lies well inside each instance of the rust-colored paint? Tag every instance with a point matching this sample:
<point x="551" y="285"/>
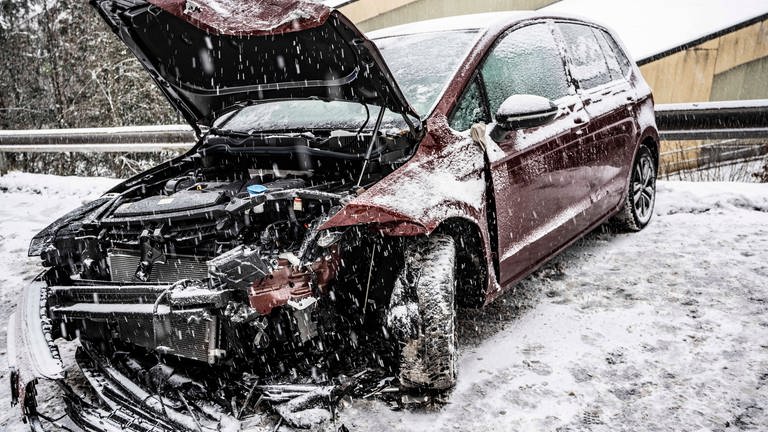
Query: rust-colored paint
<point x="386" y="219"/>
<point x="288" y="282"/>
<point x="586" y="167"/>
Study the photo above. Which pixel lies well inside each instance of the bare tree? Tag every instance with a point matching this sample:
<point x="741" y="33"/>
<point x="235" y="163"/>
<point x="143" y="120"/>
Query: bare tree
<point x="66" y="69"/>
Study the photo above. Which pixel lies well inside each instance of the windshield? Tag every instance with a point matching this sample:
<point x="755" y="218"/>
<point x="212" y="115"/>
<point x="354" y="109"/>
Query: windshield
<point x="422" y="65"/>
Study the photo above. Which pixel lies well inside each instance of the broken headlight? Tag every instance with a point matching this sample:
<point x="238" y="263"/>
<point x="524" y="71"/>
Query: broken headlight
<point x="44" y="238"/>
<point x="329" y="238"/>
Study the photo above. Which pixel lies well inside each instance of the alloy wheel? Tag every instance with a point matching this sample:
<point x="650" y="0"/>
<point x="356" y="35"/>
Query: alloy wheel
<point x="644" y="188"/>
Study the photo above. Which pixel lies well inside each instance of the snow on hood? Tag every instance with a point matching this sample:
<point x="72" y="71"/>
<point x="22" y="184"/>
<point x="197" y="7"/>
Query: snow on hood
<point x="247" y="18"/>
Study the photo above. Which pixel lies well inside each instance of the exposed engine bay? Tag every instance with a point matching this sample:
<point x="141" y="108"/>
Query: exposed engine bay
<point x="224" y="258"/>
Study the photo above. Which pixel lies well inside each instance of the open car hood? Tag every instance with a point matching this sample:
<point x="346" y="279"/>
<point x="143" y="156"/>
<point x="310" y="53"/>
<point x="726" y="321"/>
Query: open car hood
<point x="210" y="55"/>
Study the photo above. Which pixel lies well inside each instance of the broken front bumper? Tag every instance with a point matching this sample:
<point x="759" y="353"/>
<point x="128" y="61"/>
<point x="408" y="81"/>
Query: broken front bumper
<point x="122" y="405"/>
<point x="32" y="354"/>
<point x="114" y="403"/>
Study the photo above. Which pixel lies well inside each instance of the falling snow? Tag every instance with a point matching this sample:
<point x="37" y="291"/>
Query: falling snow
<point x="660" y="330"/>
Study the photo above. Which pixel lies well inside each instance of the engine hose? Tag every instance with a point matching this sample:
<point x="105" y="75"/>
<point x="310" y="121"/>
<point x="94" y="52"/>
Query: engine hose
<point x="156" y="324"/>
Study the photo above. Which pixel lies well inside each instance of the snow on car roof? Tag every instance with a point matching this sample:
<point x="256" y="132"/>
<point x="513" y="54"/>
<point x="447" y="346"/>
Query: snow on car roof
<point x="461" y="22"/>
<point x="335" y="3"/>
<point x="652" y="27"/>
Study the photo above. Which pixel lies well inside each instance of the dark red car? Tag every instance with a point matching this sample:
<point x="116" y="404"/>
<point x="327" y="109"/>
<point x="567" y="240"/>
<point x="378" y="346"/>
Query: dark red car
<point x="344" y="190"/>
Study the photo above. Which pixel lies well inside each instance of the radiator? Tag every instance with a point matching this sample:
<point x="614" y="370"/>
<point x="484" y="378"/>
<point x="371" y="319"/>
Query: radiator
<point x="130" y="311"/>
<point x="180" y="333"/>
<point x="123" y="265"/>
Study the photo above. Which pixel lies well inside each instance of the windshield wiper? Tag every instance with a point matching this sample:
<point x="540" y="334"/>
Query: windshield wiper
<point x="228" y="132"/>
<point x="287" y="150"/>
<point x="254" y="134"/>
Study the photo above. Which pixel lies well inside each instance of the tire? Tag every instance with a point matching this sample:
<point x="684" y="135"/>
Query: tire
<point x="637" y="210"/>
<point x="422" y="315"/>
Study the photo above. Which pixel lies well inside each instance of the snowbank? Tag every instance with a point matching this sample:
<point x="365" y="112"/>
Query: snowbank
<point x="28" y="203"/>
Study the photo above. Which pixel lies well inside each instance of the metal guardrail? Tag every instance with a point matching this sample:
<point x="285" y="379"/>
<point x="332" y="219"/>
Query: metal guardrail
<point x="713" y="154"/>
<point x="713" y="120"/>
<point x="120" y="139"/>
<point x="690" y="121"/>
<point x="734" y="131"/>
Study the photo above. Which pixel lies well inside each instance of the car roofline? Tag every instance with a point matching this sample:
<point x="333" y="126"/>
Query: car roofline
<point x="485" y="25"/>
<point x="475" y="22"/>
<point x="481" y="22"/>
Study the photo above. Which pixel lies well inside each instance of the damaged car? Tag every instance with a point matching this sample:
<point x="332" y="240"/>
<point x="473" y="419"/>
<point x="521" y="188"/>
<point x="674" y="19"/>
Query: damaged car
<point x="345" y="190"/>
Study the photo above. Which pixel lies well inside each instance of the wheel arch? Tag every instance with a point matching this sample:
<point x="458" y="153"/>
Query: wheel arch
<point x="649" y="137"/>
<point x="653" y="145"/>
<point x="471" y="264"/>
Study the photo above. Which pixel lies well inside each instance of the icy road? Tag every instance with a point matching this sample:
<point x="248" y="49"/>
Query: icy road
<point x="665" y="330"/>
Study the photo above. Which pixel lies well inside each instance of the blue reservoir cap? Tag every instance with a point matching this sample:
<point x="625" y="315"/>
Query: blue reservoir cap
<point x="257" y="189"/>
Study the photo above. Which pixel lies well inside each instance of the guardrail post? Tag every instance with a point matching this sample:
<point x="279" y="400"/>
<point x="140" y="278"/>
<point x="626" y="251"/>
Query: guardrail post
<point x="3" y="164"/>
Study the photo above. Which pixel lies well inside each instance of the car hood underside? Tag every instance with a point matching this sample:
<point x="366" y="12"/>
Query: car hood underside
<point x="208" y="56"/>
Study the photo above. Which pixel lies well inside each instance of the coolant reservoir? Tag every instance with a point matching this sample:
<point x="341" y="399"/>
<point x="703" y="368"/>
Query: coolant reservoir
<point x="257" y="189"/>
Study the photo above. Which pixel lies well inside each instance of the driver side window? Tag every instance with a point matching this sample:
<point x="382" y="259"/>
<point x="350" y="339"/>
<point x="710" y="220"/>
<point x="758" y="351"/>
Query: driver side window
<point x="526" y="61"/>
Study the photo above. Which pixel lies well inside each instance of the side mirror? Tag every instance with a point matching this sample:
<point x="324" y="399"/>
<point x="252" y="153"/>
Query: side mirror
<point x="524" y="111"/>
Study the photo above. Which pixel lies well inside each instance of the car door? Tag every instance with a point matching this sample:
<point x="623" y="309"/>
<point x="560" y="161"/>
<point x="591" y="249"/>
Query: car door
<point x="537" y="195"/>
<point x="621" y="68"/>
<point x="609" y="99"/>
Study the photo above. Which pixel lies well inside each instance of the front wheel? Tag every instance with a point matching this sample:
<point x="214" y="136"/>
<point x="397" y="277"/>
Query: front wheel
<point x="637" y="209"/>
<point x="422" y="315"/>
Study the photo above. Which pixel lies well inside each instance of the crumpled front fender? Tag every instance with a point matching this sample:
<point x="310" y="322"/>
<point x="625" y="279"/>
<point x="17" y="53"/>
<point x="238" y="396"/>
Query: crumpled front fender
<point x="445" y="179"/>
<point x="386" y="221"/>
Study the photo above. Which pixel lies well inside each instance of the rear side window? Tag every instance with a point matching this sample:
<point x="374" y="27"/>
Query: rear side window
<point x="610" y="56"/>
<point x="588" y="64"/>
<point x="616" y="51"/>
<point x="525" y="61"/>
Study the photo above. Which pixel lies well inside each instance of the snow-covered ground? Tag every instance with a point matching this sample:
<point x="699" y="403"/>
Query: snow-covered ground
<point x="28" y="203"/>
<point x="665" y="330"/>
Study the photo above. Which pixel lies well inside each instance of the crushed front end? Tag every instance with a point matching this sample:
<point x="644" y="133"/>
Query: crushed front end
<point x="189" y="271"/>
<point x="214" y="278"/>
<point x="191" y="285"/>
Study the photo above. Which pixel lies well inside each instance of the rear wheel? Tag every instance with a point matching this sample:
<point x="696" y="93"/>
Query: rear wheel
<point x="422" y="315"/>
<point x="637" y="209"/>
